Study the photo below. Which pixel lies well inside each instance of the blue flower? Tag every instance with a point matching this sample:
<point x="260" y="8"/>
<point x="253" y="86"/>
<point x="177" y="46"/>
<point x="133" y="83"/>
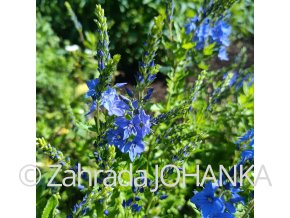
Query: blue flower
<point x="113" y="103"/>
<point x="127" y="126"/>
<point x="136" y="208"/>
<point x="101" y="65"/>
<point x="81" y="187"/>
<point x="220" y="33"/>
<point x="120" y="85"/>
<point x="134" y="148"/>
<point x="92" y="84"/>
<point x="106" y="212"/>
<point x="116" y="137"/>
<point x="251" y="143"/>
<point x="233" y="79"/>
<point x="247" y="155"/>
<point x="129" y="92"/>
<point x="191" y="25"/>
<point x="151" y="78"/>
<point x="162" y="197"/>
<point x="223" y="55"/>
<point x="149" y="93"/>
<point x="236" y="198"/>
<point x="92" y="108"/>
<point x="248" y="135"/>
<point x="206" y="201"/>
<point x="85" y="210"/>
<point x="127" y="203"/>
<point x="202" y="34"/>
<point x="142" y="123"/>
<point x="100" y="53"/>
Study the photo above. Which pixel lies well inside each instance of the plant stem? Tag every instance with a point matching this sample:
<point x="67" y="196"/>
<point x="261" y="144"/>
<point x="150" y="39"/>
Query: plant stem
<point x="149" y="205"/>
<point x="98" y="118"/>
<point x="250" y="208"/>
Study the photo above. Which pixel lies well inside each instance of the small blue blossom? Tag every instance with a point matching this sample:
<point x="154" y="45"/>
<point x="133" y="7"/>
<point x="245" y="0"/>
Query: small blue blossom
<point x="92" y="85"/>
<point x="223" y="55"/>
<point x="101" y="65"/>
<point x="92" y="108"/>
<point x="151" y="78"/>
<point x="113" y="103"/>
<point x="209" y="32"/>
<point x="248" y="135"/>
<point x="106" y="212"/>
<point x="100" y="53"/>
<point x="149" y="93"/>
<point x="127" y="203"/>
<point x="120" y="85"/>
<point x="142" y="123"/>
<point x="127" y="126"/>
<point x="136" y="208"/>
<point x="202" y="34"/>
<point x="81" y="187"/>
<point x="233" y="79"/>
<point x="251" y="143"/>
<point x="220" y="33"/>
<point x="129" y="92"/>
<point x="139" y="78"/>
<point x="191" y="25"/>
<point x="85" y="210"/>
<point x="116" y="137"/>
<point x="134" y="148"/>
<point x="162" y="197"/>
<point x="247" y="155"/>
<point x="206" y="201"/>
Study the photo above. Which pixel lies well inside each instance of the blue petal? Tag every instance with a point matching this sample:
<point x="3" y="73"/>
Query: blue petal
<point x="120" y="85"/>
<point x="92" y="108"/>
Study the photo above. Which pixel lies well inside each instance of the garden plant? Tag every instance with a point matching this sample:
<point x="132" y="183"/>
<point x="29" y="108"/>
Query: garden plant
<point x="177" y="100"/>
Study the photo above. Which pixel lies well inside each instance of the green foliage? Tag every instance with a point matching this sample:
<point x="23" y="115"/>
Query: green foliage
<point x="49" y="210"/>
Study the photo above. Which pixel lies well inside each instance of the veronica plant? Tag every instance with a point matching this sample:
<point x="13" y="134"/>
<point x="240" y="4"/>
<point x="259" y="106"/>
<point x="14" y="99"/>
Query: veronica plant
<point x="205" y="117"/>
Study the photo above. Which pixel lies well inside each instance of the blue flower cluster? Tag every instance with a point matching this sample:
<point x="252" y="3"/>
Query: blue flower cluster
<point x="131" y="202"/>
<point x="131" y="122"/>
<point x="207" y="32"/>
<point x="109" y="99"/>
<point x="78" y="206"/>
<point x="130" y="131"/>
<point x="237" y="80"/>
<point x="248" y="140"/>
<point x="212" y="206"/>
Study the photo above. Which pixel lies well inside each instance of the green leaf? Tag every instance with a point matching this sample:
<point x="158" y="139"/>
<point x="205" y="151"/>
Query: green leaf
<point x="203" y="66"/>
<point x="208" y="50"/>
<point x="50" y="206"/>
<point x="84" y="126"/>
<point x="188" y="45"/>
<point x="165" y="70"/>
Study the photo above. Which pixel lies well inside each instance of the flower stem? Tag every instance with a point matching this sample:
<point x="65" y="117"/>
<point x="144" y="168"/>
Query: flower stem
<point x="97" y="118"/>
<point x="250" y="208"/>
